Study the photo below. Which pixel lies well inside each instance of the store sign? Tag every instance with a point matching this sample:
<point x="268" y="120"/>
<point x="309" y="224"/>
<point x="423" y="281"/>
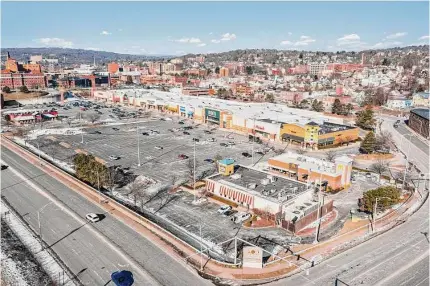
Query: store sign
<point x="259" y="127"/>
<point x="212" y="114"/>
<point x="182" y="108"/>
<point x="252" y="257"/>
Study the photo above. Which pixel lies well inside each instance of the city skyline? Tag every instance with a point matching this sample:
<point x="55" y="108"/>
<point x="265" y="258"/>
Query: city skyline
<point x="176" y="28"/>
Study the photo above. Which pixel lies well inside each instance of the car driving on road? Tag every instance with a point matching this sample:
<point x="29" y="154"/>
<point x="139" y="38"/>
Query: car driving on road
<point x="92" y="217"/>
<point x="113" y="157"/>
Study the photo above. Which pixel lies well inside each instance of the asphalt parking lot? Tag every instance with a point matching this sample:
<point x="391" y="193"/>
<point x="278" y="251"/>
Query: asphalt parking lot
<point x="119" y="138"/>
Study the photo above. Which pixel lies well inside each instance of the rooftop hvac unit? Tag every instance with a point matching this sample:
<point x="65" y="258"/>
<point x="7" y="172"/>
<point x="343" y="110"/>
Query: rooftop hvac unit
<point x="252" y="186"/>
<point x="236" y="176"/>
<point x="273" y="191"/>
<point x="265" y="182"/>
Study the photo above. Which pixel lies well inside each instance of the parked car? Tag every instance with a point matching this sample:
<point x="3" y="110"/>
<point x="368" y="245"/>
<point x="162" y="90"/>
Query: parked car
<point x="97" y="132"/>
<point x="196" y="139"/>
<point x="241" y="217"/>
<point x="92" y="217"/>
<point x="231" y="143"/>
<point x="229" y="213"/>
<point x="223" y="144"/>
<point x="145" y="133"/>
<point x="116" y="129"/>
<point x="188" y="127"/>
<point x="3" y="167"/>
<point x="158" y="147"/>
<point x="181" y="122"/>
<point x="211" y="140"/>
<point x="246" y="154"/>
<point x="183" y="156"/>
<point x="209" y="160"/>
<point x="155" y="131"/>
<point x="207" y="132"/>
<point x="113" y="157"/>
<point x="224" y="208"/>
<point x="395" y="125"/>
<point x="368" y="175"/>
<point x="186" y="133"/>
<point x="260" y="153"/>
<point x="162" y="119"/>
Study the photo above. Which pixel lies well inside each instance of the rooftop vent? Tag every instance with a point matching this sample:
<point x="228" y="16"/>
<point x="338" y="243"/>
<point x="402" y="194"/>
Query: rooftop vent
<point x="236" y="176"/>
<point x="265" y="182"/>
<point x="252" y="186"/>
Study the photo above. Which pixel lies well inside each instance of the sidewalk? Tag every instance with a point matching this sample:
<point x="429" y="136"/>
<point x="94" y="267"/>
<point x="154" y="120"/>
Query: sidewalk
<point x="176" y="248"/>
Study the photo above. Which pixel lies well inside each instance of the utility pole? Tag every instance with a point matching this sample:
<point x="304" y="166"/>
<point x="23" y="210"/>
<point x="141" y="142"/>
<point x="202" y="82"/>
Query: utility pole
<point x="201" y="248"/>
<point x="253" y="140"/>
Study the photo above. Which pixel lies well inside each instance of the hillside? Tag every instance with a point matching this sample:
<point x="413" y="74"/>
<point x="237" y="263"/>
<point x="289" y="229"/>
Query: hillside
<point x="74" y="56"/>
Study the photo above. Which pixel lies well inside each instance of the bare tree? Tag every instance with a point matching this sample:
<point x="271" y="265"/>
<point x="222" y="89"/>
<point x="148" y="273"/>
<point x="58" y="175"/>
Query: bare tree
<point x="330" y="155"/>
<point x="22" y="132"/>
<point x="379" y="167"/>
<point x="383" y="140"/>
<point x="190" y="170"/>
<point x="93" y="117"/>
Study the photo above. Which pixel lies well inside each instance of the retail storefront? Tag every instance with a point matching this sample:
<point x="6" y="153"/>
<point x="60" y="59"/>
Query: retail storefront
<point x="213" y="116"/>
<point x="182" y="110"/>
<point x="264" y="129"/>
<point x="171" y="108"/>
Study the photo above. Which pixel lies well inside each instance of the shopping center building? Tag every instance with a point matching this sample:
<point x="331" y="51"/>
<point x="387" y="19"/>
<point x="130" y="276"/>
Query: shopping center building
<point x="269" y="122"/>
<point x="337" y="174"/>
<point x="293" y="203"/>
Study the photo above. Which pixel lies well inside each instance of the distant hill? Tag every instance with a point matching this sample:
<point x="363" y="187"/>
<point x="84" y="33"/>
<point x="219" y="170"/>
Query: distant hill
<point x="75" y="56"/>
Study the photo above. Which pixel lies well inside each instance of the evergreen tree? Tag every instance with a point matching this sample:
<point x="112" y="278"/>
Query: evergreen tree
<point x="348" y="108"/>
<point x="6" y="89"/>
<point x="217" y="70"/>
<point x="317" y="105"/>
<point x="365" y="119"/>
<point x="337" y="107"/>
<point x="369" y="143"/>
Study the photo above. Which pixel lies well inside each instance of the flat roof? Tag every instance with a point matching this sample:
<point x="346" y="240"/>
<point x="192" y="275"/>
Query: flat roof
<point x="244" y="177"/>
<point x="422" y="112"/>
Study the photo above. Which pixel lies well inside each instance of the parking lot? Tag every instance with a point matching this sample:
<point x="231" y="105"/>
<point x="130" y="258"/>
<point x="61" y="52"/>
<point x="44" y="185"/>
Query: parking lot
<point x="161" y="143"/>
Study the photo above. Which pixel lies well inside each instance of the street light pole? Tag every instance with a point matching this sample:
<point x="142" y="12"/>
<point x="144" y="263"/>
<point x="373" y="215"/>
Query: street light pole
<point x="375" y="206"/>
<point x="319" y="209"/>
<point x="407" y="164"/>
<point x="201" y="248"/>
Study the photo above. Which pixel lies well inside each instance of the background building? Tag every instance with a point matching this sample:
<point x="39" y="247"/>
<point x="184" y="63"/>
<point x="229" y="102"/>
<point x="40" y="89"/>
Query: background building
<point x="419" y="121"/>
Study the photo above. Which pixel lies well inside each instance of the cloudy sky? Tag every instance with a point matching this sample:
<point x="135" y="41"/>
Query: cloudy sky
<point x="202" y="27"/>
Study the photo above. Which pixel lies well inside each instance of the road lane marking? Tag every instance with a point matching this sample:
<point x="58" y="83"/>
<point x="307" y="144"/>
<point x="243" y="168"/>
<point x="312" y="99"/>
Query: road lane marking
<point x="404" y="268"/>
<point x="139" y="269"/>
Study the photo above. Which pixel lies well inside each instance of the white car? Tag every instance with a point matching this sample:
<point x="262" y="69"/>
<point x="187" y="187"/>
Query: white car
<point x="211" y="140"/>
<point x="241" y="217"/>
<point x="223" y="209"/>
<point x="112" y="157"/>
<point x="92" y="217"/>
<point x="158" y="147"/>
<point x="231" y="143"/>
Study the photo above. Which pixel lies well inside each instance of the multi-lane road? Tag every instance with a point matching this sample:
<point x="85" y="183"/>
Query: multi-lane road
<point x="397" y="257"/>
<point x="91" y="251"/>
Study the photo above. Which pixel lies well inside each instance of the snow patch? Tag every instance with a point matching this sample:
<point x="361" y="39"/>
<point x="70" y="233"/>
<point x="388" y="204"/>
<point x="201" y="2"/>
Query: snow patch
<point x="32" y="243"/>
<point x="58" y="131"/>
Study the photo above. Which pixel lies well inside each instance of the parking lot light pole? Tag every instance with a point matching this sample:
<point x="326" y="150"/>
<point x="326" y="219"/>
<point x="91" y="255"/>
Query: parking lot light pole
<point x="82" y="131"/>
<point x="138" y="146"/>
<point x="194" y="171"/>
<point x="319" y="206"/>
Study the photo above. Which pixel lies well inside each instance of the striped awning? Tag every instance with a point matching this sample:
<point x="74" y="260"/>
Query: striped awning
<point x="236" y="196"/>
<point x="210" y="186"/>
